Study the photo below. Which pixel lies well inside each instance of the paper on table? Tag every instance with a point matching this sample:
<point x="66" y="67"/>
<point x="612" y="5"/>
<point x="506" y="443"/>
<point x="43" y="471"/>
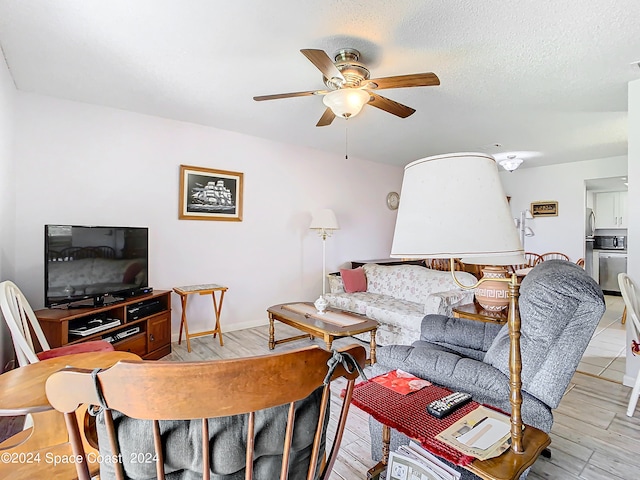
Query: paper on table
<point x="485" y="433"/>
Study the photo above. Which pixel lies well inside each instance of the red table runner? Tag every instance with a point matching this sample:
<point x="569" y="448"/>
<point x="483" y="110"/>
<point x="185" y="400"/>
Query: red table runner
<point x="408" y="415"/>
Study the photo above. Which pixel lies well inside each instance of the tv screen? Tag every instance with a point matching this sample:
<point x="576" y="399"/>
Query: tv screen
<point x="87" y="262"/>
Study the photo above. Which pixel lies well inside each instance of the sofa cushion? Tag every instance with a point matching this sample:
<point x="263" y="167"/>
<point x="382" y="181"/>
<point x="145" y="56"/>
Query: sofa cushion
<point x="395" y="312"/>
<point x="353" y="302"/>
<point x="469" y="337"/>
<point x="354" y="280"/>
<point x="336" y="285"/>
<point x="411" y="282"/>
<point x="446" y="368"/>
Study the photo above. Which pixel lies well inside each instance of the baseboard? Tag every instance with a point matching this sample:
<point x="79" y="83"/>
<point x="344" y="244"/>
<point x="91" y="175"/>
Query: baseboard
<point x="231" y="328"/>
<point x="628" y="381"/>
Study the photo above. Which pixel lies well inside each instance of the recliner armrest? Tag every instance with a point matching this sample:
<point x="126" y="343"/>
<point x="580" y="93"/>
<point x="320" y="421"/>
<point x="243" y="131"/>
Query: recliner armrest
<point x="460" y="332"/>
<point x="443" y="302"/>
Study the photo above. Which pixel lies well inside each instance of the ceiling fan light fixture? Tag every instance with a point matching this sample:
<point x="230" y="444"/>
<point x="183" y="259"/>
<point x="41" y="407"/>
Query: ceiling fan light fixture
<point x="511" y="163"/>
<point x="346" y="102"/>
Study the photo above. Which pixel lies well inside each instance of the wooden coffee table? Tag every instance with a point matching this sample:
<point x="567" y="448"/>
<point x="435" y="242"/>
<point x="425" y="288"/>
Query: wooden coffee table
<point x="328" y="326"/>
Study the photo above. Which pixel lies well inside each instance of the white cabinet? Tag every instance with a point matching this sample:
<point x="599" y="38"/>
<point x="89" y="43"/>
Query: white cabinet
<point x="610" y="209"/>
<point x="622" y="209"/>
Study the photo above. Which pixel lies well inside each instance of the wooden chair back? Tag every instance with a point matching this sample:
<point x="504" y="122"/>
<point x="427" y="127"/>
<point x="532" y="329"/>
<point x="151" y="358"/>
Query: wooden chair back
<point x="94" y="252"/>
<point x="155" y="391"/>
<point x="21" y="322"/>
<point x="531" y="260"/>
<point x="443" y="264"/>
<point x="552" y="256"/>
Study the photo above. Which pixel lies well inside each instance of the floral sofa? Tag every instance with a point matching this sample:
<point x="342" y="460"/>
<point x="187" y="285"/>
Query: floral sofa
<point x="399" y="296"/>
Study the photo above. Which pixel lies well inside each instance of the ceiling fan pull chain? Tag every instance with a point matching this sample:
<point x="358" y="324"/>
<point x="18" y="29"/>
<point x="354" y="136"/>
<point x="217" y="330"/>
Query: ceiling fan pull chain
<point x="346" y="141"/>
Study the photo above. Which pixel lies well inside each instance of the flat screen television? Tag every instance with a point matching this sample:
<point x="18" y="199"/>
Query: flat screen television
<point x="94" y="262"/>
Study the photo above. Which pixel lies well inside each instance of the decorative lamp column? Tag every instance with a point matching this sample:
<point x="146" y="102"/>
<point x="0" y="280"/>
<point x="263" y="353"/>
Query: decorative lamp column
<point x="454" y="206"/>
<point x="522" y="225"/>
<point x="325" y="222"/>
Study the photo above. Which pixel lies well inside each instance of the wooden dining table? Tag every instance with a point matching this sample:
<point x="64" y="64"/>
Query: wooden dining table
<point x="43" y="450"/>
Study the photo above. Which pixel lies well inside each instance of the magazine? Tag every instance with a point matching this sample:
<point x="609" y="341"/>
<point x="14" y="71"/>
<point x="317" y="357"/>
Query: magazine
<point x="482" y="433"/>
<point x="412" y="462"/>
<point x="401" y="382"/>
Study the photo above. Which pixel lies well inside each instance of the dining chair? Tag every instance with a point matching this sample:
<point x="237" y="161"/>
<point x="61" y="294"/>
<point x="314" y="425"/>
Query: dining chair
<point x="552" y="256"/>
<point x="261" y="417"/>
<point x="531" y="260"/>
<point x="443" y="264"/>
<point x="23" y="324"/>
<point x="629" y="292"/>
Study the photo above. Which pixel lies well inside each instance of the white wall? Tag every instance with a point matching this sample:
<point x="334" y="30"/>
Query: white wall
<point x="7" y="207"/>
<point x="85" y="164"/>
<point x="563" y="183"/>
<point x="633" y="248"/>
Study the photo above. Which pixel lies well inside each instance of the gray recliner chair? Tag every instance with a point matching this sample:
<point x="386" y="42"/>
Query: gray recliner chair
<point x="560" y="307"/>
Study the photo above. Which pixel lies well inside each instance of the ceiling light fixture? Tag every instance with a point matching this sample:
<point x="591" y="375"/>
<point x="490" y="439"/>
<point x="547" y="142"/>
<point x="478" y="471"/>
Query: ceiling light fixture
<point x="346" y="102"/>
<point x="511" y="163"/>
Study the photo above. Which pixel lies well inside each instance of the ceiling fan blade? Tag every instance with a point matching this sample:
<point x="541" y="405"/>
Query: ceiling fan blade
<point x="289" y="95"/>
<point x="390" y="106"/>
<point x="323" y="63"/>
<point x="326" y="118"/>
<point x="401" y="81"/>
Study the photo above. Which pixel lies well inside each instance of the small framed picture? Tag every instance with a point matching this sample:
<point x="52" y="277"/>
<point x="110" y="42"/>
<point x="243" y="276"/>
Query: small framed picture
<point x="544" y="209"/>
<point x="209" y="194"/>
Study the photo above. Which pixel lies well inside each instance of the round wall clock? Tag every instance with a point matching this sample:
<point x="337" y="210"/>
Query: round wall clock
<point x="393" y="200"/>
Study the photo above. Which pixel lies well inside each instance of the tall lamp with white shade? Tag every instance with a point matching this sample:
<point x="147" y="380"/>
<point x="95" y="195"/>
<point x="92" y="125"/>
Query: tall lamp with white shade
<point x="325" y="222"/>
<point x="454" y="206"/>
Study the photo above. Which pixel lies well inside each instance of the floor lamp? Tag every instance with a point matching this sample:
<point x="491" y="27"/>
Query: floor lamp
<point x="454" y="206"/>
<point x="325" y="222"/>
<point x="521" y="224"/>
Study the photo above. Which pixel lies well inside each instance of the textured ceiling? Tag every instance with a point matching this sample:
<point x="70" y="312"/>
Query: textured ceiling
<point x="544" y="79"/>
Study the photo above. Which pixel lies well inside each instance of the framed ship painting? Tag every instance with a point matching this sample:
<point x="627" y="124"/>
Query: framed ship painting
<point x="208" y="194"/>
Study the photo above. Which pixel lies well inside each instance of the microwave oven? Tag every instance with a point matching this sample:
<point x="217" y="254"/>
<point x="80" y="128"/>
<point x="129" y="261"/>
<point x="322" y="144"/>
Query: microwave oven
<point x="610" y="242"/>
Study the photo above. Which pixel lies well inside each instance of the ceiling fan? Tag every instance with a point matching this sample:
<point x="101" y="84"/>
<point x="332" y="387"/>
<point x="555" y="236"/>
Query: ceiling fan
<point x="350" y="88"/>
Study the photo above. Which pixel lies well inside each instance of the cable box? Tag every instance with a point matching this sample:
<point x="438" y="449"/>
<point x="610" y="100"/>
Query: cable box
<point x="121" y="335"/>
<point x="94" y="326"/>
<point x="144" y="309"/>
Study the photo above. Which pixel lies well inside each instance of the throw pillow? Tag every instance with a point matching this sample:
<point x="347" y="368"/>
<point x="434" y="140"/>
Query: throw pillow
<point x="335" y="283"/>
<point x="354" y="280"/>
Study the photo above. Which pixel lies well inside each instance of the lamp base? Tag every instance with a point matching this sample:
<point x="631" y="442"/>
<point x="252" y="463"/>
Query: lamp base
<point x="321" y="304"/>
<point x="493" y="295"/>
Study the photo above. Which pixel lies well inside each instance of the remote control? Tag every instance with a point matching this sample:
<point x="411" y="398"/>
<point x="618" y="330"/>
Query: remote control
<point x="444" y="406"/>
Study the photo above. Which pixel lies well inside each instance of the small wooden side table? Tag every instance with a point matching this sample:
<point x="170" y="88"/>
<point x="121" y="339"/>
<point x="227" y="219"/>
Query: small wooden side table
<point x="205" y="289"/>
<point x="474" y="311"/>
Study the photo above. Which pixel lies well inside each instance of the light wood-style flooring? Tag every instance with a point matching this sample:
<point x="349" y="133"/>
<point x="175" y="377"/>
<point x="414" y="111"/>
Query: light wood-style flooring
<point x="592" y="438"/>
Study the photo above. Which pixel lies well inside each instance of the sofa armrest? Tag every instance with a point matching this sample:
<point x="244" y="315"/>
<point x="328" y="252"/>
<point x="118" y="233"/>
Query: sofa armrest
<point x="442" y="303"/>
<point x="458" y="332"/>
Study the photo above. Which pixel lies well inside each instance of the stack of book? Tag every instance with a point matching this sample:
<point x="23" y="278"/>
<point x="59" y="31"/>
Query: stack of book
<point x="412" y="462"/>
<point x="482" y="433"/>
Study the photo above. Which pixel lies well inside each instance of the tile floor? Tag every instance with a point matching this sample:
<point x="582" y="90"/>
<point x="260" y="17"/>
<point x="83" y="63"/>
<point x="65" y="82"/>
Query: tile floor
<point x="606" y="354"/>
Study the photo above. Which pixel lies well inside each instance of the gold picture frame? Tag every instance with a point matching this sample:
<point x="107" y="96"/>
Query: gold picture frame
<point x="210" y="194"/>
<point x="544" y="209"/>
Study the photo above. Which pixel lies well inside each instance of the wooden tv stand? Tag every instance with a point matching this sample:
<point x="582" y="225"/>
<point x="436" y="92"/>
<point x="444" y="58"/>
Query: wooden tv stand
<point x="152" y="342"/>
